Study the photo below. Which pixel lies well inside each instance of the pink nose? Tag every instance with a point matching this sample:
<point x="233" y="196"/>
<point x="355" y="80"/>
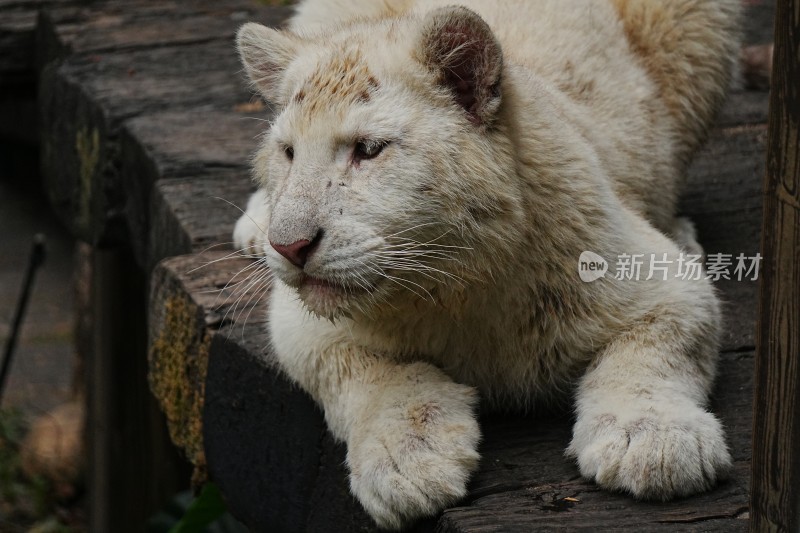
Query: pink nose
<point x="297" y="252"/>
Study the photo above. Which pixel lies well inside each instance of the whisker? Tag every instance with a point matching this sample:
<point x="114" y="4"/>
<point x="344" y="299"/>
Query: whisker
<point x="232" y="255"/>
<point x="411" y="229"/>
<point x="400" y="282"/>
<point x="413" y="254"/>
<point x="256" y="278"/>
<point x="246" y="117"/>
<point x="426" y="271"/>
<point x="233" y="283"/>
<point x="243" y="212"/>
<point x="233" y="308"/>
<point x="259" y="291"/>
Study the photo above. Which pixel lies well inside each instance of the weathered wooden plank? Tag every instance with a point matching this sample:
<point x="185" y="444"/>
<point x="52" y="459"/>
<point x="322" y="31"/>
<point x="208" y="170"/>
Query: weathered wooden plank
<point x="85" y="98"/>
<point x="277" y="432"/>
<point x="723" y="200"/>
<point x="266" y="439"/>
<point x="122" y="25"/>
<point x="776" y="457"/>
<point x="198" y="142"/>
<point x="90" y="96"/>
<point x="186" y="142"/>
<point x="743" y="107"/>
<point x="188" y="304"/>
<point x="757" y="21"/>
<point x="18" y="112"/>
<point x="16" y="44"/>
<point x="191" y="214"/>
<point x="32" y="5"/>
<point x="524" y="477"/>
<point x="722" y="193"/>
<point x="17" y="30"/>
<point x="84" y="101"/>
<point x="133" y="468"/>
<point x="579" y="506"/>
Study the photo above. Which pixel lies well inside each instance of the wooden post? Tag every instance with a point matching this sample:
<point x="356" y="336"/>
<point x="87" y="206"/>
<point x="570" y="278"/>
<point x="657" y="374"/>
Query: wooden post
<point x="775" y="490"/>
<point x="134" y="470"/>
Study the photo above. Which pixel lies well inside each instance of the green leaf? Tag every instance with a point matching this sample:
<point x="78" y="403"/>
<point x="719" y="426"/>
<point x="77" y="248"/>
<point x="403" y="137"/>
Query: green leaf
<point x="204" y="510"/>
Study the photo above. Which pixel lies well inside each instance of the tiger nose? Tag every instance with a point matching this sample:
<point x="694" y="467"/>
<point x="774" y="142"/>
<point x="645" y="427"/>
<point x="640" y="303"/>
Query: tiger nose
<point x="297" y="253"/>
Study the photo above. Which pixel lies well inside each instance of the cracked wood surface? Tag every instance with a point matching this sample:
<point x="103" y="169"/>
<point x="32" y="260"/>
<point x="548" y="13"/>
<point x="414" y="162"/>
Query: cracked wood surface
<point x="104" y="69"/>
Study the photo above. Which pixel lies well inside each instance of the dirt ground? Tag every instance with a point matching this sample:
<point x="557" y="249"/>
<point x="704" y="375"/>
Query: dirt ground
<point x="41" y="376"/>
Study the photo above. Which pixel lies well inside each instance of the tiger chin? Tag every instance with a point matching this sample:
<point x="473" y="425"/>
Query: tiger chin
<point x="430" y="179"/>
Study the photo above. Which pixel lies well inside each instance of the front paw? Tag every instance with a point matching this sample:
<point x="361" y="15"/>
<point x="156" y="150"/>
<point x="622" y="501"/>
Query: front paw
<point x="250" y="232"/>
<point x="653" y="453"/>
<point x="414" y="456"/>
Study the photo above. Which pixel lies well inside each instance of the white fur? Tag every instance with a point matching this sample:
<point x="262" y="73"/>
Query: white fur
<point x="453" y="253"/>
<point x="248" y="234"/>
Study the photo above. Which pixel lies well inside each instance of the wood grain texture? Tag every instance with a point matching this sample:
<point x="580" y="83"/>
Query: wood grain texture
<point x="17" y="37"/>
<point x="524" y="478"/>
<point x="120" y="25"/>
<point x="776" y="456"/>
<point x="209" y="145"/>
<point x="723" y="200"/>
<point x="134" y="470"/>
<point x="276" y="431"/>
<point x="192" y="214"/>
<point x="84" y="101"/>
<point x="743" y="107"/>
<point x="18" y="106"/>
<point x="191" y="298"/>
<point x="101" y="65"/>
<point x="16" y="41"/>
<point x="89" y="87"/>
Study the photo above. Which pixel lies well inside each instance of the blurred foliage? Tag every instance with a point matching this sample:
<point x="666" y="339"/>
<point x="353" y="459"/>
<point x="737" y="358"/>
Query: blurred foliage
<point x="204" y="514"/>
<point x="25" y="504"/>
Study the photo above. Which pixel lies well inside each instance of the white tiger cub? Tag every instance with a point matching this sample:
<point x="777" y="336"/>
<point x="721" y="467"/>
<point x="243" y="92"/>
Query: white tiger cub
<point x="431" y="178"/>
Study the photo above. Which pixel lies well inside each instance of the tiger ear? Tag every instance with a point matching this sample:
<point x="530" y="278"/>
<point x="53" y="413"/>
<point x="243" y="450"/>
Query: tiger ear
<point x="265" y="54"/>
<point x="461" y="49"/>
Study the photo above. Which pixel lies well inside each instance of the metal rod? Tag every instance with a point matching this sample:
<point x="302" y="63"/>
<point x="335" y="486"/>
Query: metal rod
<point x="36" y="260"/>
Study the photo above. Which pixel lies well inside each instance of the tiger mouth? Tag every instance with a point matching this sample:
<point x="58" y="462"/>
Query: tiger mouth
<point x="323" y="284"/>
<point x="328" y="288"/>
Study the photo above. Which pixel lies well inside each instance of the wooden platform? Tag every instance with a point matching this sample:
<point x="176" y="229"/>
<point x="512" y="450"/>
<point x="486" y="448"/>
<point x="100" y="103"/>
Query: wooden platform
<point x="147" y="129"/>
